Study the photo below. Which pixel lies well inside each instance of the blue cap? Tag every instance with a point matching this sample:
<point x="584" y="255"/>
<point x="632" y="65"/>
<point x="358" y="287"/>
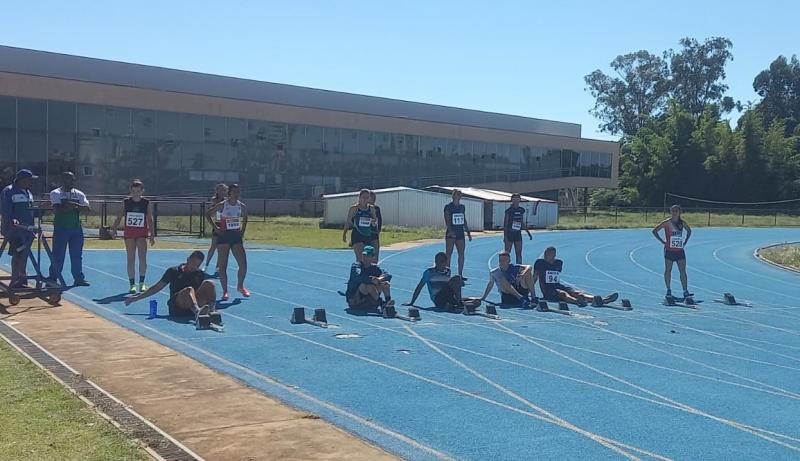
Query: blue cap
<point x="368" y="250"/>
<point x="25" y="173"/>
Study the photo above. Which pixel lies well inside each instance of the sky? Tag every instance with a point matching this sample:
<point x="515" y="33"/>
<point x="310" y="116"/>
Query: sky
<point x="517" y="57"/>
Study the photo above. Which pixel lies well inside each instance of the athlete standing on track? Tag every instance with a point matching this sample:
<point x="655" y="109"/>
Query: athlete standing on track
<point x="362" y="219"/>
<point x="232" y="226"/>
<point x="513" y="225"/>
<point x="220" y="193"/>
<point x="455" y="219"/>
<point x="372" y="198"/>
<point x="138" y="227"/>
<point x="674" y="242"/>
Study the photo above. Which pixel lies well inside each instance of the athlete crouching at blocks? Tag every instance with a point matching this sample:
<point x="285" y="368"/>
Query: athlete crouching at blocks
<point x="515" y="282"/>
<point x="368" y="282"/>
<point x="548" y="272"/>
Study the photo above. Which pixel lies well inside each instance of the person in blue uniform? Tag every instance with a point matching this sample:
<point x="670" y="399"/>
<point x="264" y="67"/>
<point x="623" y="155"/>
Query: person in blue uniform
<point x="513" y="225"/>
<point x="515" y="282"/>
<point x="443" y="287"/>
<point x="548" y="271"/>
<point x="17" y="211"/>
<point x="455" y="221"/>
<point x="367" y="282"/>
<point x="363" y="221"/>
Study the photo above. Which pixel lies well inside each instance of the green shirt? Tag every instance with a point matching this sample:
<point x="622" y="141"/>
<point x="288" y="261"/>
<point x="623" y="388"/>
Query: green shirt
<point x="68" y="218"/>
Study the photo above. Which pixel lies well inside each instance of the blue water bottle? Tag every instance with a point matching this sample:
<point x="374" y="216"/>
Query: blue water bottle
<point x="153" y="309"/>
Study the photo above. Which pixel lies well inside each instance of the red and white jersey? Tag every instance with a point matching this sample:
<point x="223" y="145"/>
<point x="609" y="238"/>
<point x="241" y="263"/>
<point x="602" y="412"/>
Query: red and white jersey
<point x="674" y="235"/>
<point x="231" y="216"/>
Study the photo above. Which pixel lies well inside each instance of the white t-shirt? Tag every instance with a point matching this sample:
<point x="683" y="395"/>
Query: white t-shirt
<point x="59" y="196"/>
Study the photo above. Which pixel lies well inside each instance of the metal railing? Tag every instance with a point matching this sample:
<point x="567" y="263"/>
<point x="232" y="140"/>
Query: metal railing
<point x="647" y="216"/>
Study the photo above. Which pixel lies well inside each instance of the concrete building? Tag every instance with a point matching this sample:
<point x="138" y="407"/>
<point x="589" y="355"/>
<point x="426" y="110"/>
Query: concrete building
<point x="181" y="132"/>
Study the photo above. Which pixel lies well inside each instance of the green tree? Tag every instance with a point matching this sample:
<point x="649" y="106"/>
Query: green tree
<point x="624" y="103"/>
<point x="697" y="73"/>
<point x="779" y="88"/>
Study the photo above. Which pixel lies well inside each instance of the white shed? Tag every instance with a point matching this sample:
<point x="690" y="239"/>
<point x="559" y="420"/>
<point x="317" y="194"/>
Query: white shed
<point x="402" y="206"/>
<point x="539" y="213"/>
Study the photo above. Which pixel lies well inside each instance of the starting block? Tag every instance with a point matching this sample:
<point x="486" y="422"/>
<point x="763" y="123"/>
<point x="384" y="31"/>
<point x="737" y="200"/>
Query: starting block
<point x="597" y="301"/>
<point x="729" y="299"/>
<point x="627" y="303"/>
<point x="542" y="306"/>
<point x="389" y="312"/>
<point x="413" y="313"/>
<point x="562" y="306"/>
<point x="319" y="319"/>
<point x="491" y="309"/>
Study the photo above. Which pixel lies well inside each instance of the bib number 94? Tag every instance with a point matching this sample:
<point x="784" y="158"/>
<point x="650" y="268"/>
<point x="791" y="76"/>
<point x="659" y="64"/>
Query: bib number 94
<point x="552" y="277"/>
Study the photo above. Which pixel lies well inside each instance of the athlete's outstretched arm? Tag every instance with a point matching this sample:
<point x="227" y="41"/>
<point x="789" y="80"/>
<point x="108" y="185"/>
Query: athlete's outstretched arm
<point x="488" y="290"/>
<point x="150" y="292"/>
<point x="416" y="294"/>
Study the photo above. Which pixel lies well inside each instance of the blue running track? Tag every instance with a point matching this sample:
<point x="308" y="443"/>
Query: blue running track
<point x="717" y="383"/>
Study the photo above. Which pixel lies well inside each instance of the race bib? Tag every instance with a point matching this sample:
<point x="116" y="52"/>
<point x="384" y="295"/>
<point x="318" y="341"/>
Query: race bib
<point x="233" y="223"/>
<point x="552" y="277"/>
<point x="364" y="221"/>
<point x="516" y="225"/>
<point x="676" y="241"/>
<point x="134" y="220"/>
<point x="458" y="219"/>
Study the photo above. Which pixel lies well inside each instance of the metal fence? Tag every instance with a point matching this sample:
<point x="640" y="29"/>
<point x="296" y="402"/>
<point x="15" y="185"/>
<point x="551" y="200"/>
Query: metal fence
<point x="641" y="216"/>
<point x="185" y="216"/>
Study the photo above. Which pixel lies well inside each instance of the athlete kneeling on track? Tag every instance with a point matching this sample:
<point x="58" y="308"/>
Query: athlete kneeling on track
<point x="515" y="282"/>
<point x="548" y="272"/>
<point x="367" y="283"/>
<point x="445" y="291"/>
<point x="674" y="242"/>
<point x="189" y="293"/>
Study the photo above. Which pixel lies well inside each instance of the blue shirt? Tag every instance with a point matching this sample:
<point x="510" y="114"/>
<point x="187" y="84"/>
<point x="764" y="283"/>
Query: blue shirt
<point x="16" y="204"/>
<point x="515" y="215"/>
<point x="457" y="216"/>
<point x="360" y="275"/>
<point x="435" y="280"/>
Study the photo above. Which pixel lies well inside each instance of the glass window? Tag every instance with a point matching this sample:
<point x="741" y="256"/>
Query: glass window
<point x="332" y="140"/>
<point x="216" y="148"/>
<point x="383" y="143"/>
<point x="118" y="121"/>
<point x="426" y="146"/>
<point x="8" y="113"/>
<point x="314" y="137"/>
<point x="297" y="137"/>
<point x="366" y="142"/>
<point x="91" y="121"/>
<point x="604" y="162"/>
<point x="515" y="154"/>
<point x="349" y="141"/>
<point x="8" y="147"/>
<point x="144" y="123"/>
<point x="61" y="117"/>
<point x="167" y="143"/>
<point x="32" y="114"/>
<point x="191" y="128"/>
<point x="237" y="132"/>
